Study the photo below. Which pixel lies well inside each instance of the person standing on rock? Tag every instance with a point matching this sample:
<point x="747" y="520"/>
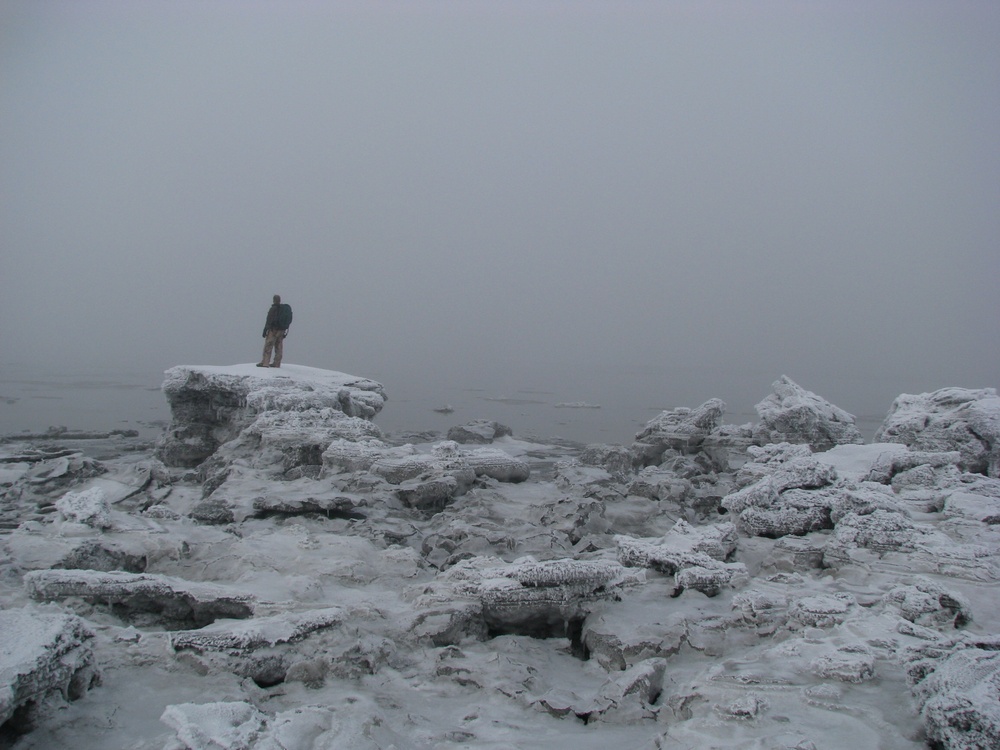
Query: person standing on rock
<point x="279" y="318"/>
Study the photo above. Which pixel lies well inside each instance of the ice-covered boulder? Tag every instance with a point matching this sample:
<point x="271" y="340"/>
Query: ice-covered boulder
<point x="682" y="547"/>
<point x="927" y="603"/>
<point x="615" y="459"/>
<point x="42" y="655"/>
<point x="957" y="687"/>
<point x="143" y="596"/>
<point x="89" y="507"/>
<point x="345" y="456"/>
<point x="538" y="598"/>
<point x="212" y="405"/>
<point x="794" y="496"/>
<point x="358" y="724"/>
<point x="478" y="431"/>
<point x="429" y="481"/>
<point x="950" y="419"/>
<point x="496" y="464"/>
<point x="682" y="430"/>
<point x="794" y="415"/>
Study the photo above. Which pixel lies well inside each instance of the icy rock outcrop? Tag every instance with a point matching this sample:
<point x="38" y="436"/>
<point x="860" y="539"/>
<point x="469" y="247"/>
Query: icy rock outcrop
<point x="236" y="725"/>
<point x="682" y="430"/>
<point x="215" y="726"/>
<point x="143" y="596"/>
<point x="531" y="597"/>
<point x="929" y="604"/>
<point x="42" y="655"/>
<point x="267" y="649"/>
<point x="479" y="431"/>
<point x="615" y="459"/>
<point x="212" y="405"/>
<point x="957" y="687"/>
<point x="297" y="438"/>
<point x="950" y="419"/>
<point x="794" y="415"/>
<point x="693" y="555"/>
<point x="89" y="507"/>
<point x="346" y="456"/>
<point x="764" y="459"/>
<point x="794" y="498"/>
<point x="429" y="481"/>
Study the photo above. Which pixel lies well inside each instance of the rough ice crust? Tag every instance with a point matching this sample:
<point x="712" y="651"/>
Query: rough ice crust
<point x="794" y="415"/>
<point x="42" y="654"/>
<point x="212" y="405"/>
<point x="950" y="419"/>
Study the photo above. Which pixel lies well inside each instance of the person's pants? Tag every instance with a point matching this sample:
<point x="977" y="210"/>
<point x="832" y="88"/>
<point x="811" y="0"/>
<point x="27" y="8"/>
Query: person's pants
<point x="273" y="340"/>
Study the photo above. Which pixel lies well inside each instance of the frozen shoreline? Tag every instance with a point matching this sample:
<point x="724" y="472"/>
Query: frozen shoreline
<point x="286" y="573"/>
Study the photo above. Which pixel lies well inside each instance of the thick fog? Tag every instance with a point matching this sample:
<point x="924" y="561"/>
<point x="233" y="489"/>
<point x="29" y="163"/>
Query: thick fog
<point x="683" y="197"/>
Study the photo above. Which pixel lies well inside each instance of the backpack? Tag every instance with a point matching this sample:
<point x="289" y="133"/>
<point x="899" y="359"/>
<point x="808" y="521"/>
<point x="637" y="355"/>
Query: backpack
<point x="284" y="316"/>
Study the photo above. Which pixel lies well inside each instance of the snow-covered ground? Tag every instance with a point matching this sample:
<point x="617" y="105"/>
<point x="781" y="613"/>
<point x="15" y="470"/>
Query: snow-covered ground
<point x="279" y="573"/>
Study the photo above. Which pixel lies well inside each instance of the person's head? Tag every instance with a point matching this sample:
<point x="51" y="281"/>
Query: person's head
<point x="277" y="299"/>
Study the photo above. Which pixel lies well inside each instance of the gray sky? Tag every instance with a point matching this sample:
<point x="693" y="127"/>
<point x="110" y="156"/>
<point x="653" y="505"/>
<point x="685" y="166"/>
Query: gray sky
<point x="455" y="189"/>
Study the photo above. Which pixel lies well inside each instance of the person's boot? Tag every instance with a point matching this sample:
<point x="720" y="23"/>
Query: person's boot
<point x="261" y="364"/>
<point x="276" y="364"/>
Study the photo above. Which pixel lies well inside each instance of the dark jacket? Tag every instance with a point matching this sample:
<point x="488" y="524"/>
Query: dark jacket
<point x="272" y="318"/>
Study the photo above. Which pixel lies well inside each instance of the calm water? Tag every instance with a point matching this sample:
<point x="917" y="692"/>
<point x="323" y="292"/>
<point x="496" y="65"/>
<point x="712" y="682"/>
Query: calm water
<point x="604" y="408"/>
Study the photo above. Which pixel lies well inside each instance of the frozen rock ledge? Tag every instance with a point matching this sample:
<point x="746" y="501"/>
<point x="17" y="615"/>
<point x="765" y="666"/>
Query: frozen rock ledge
<point x="211" y="405"/>
<point x="43" y="656"/>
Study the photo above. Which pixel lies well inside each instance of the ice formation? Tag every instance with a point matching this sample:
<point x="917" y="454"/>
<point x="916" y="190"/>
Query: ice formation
<point x="281" y="574"/>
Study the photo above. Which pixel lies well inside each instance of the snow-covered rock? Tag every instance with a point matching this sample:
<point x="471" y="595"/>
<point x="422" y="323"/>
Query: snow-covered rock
<point x="794" y="415"/>
<point x="682" y="430"/>
<point x="538" y="597"/>
<point x="43" y="654"/>
<point x="957" y="687"/>
<point x="950" y="419"/>
<point x="212" y="405"/>
<point x="89" y="507"/>
<point x="478" y="431"/>
<point x="142" y="595"/>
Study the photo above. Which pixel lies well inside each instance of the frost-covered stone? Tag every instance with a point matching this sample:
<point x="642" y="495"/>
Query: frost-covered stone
<point x="212" y="405"/>
<point x="478" y="431"/>
<point x="618" y="639"/>
<point x="248" y="635"/>
<point x="694" y="556"/>
<point x="656" y="483"/>
<point x="712" y="579"/>
<point x="950" y="419"/>
<point x="795" y="511"/>
<point x="794" y="415"/>
<point x="821" y="610"/>
<point x="496" y="464"/>
<point x="853" y="663"/>
<point x="42" y="655"/>
<point x="761" y="608"/>
<point x="927" y="603"/>
<point x="231" y="725"/>
<point x="795" y="497"/>
<point x="682" y="430"/>
<point x="749" y="706"/>
<point x="89" y="507"/>
<point x="236" y="725"/>
<point x="957" y="687"/>
<point x="881" y="531"/>
<point x="338" y="506"/>
<point x="615" y="459"/>
<point x="682" y="546"/>
<point x="798" y="473"/>
<point x="538" y="596"/>
<point x="762" y="460"/>
<point x="165" y="599"/>
<point x="348" y="455"/>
